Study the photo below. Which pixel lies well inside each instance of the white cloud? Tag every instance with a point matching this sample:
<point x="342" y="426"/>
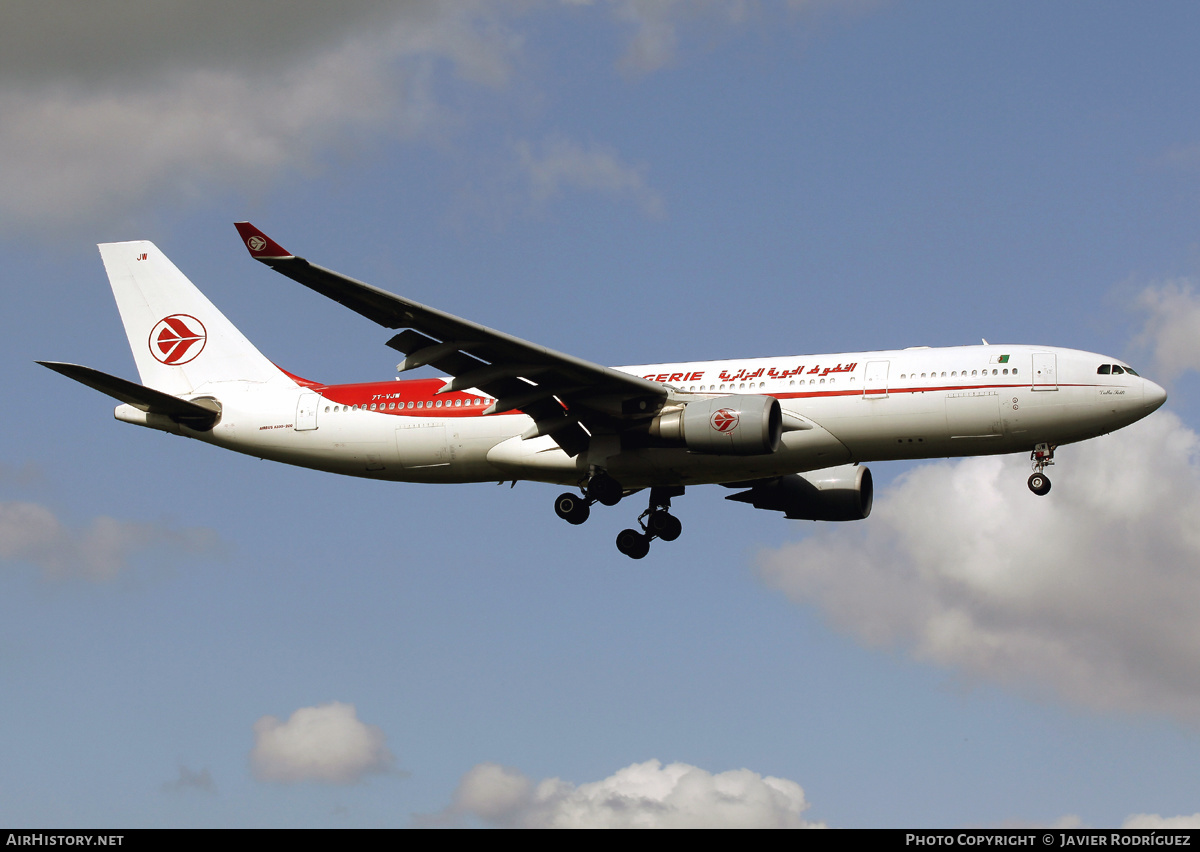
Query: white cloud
<point x="654" y="25"/>
<point x="644" y="795"/>
<point x="181" y="112"/>
<point x="1172" y="326"/>
<point x="1154" y="821"/>
<point x="1089" y="593"/>
<point x="31" y="533"/>
<point x="563" y="163"/>
<point x="324" y="743"/>
<point x="654" y="40"/>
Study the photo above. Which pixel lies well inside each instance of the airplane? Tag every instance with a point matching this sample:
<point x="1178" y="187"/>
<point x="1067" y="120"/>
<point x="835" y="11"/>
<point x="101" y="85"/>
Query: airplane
<point x="791" y="434"/>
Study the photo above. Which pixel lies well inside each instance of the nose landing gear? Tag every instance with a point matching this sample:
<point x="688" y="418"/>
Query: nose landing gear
<point x="1042" y="457"/>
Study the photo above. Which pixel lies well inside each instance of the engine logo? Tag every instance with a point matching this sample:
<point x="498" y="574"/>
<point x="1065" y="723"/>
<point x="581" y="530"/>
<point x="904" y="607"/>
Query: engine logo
<point x="177" y="339"/>
<point x="256" y="243"/>
<point x="725" y="420"/>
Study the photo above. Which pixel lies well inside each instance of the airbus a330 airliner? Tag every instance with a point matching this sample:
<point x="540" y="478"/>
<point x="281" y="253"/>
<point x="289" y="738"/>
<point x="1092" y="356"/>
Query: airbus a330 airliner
<point x="789" y="433"/>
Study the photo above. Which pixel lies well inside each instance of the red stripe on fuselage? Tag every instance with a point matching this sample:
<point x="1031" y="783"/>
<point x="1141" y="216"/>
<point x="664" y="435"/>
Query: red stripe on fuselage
<point x="423" y="391"/>
<point x="388" y="397"/>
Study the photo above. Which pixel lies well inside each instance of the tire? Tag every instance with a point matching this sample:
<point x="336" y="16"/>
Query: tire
<point x="1039" y="484"/>
<point x="633" y="544"/>
<point x="572" y="508"/>
<point x="664" y="525"/>
<point x="604" y="489"/>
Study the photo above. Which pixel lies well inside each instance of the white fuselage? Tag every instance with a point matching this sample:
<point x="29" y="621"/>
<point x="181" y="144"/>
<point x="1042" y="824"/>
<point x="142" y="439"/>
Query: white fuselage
<point x="849" y="407"/>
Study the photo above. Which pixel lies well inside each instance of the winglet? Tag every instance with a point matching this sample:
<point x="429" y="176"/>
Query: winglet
<point x="260" y="245"/>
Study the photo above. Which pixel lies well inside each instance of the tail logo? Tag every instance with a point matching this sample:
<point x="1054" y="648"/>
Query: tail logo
<point x="256" y="243"/>
<point x="725" y="420"/>
<point x="177" y="339"/>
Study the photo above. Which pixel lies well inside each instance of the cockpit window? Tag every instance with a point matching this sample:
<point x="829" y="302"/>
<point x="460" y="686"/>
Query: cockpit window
<point x="1104" y="370"/>
<point x="1117" y="370"/>
<point x="1130" y="371"/>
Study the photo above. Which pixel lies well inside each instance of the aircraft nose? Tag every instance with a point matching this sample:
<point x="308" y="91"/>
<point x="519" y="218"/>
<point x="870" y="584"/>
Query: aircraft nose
<point x="1153" y="396"/>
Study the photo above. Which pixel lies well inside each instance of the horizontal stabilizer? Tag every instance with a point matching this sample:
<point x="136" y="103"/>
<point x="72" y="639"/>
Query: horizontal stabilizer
<point x="199" y="415"/>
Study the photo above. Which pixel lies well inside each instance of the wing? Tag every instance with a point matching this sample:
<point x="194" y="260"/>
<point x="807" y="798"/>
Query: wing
<point x="568" y="398"/>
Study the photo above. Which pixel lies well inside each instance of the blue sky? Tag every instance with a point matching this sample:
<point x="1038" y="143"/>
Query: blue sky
<point x="190" y="637"/>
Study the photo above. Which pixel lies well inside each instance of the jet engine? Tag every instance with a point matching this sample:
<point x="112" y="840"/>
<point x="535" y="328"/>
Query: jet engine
<point x="835" y="494"/>
<point x="737" y="425"/>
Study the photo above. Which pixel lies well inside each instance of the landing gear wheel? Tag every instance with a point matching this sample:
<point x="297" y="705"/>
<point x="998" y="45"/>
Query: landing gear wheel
<point x="604" y="489"/>
<point x="633" y="544"/>
<point x="664" y="525"/>
<point x="1039" y="484"/>
<point x="572" y="508"/>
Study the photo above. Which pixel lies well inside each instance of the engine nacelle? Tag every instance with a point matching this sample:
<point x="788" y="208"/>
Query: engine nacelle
<point x="737" y="425"/>
<point x="835" y="494"/>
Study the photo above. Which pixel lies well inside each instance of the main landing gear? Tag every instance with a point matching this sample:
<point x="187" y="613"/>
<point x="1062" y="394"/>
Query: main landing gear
<point x="600" y="488"/>
<point x="656" y="522"/>
<point x="1042" y="457"/>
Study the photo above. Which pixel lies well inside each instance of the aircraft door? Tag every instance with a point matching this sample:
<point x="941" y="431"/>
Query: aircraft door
<point x="973" y="414"/>
<point x="1011" y="410"/>
<point x="1045" y="371"/>
<point x="875" y="383"/>
<point x="423" y="444"/>
<point x="306" y="412"/>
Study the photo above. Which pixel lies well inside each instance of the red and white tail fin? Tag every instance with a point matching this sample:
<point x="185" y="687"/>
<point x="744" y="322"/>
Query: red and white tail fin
<point x="180" y="341"/>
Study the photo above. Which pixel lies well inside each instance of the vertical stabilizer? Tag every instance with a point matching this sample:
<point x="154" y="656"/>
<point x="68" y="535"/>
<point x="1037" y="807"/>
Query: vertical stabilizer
<point x="180" y="341"/>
